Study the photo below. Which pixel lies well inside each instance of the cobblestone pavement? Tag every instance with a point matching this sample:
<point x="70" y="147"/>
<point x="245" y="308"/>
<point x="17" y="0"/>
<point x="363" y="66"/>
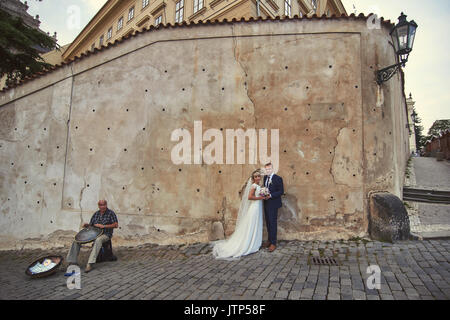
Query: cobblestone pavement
<point x="409" y="270"/>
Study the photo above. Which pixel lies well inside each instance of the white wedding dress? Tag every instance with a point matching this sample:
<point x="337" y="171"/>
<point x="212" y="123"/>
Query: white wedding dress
<point x="247" y="236"/>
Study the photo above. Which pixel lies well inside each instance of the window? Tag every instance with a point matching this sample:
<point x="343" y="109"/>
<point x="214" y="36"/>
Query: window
<point x="198" y="4"/>
<point x="93" y="47"/>
<point x="287" y="8"/>
<point x="179" y="8"/>
<point x="120" y="24"/>
<point x="144" y="3"/>
<point x="109" y="34"/>
<point x="101" y="40"/>
<point x="131" y="13"/>
<point x="314" y="4"/>
<point x="158" y="20"/>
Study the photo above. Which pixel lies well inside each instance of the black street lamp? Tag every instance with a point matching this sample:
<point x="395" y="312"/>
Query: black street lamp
<point x="403" y="35"/>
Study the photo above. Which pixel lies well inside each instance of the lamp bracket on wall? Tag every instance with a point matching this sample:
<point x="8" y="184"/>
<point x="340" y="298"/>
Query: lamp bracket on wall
<point x="385" y="74"/>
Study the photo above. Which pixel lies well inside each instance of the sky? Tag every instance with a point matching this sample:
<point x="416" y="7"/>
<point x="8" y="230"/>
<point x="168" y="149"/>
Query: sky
<point x="426" y="73"/>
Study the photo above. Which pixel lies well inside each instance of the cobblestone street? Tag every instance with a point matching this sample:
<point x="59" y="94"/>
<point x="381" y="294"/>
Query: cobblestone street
<point x="409" y="270"/>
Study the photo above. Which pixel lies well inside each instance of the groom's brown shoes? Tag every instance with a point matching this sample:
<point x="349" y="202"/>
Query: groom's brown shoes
<point x="272" y="248"/>
<point x="266" y="244"/>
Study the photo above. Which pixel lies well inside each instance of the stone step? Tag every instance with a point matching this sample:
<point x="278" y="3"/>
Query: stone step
<point x="434" y="235"/>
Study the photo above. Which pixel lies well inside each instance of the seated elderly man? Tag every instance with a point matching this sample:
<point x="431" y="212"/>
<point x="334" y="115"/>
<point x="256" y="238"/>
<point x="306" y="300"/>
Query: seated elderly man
<point x="105" y="219"/>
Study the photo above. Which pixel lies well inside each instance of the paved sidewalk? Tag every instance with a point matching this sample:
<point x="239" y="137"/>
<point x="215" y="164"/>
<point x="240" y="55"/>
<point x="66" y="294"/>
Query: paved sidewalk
<point x="409" y="270"/>
<point x="431" y="174"/>
<point x="429" y="220"/>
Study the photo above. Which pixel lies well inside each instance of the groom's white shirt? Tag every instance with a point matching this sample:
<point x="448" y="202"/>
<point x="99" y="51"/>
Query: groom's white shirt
<point x="269" y="180"/>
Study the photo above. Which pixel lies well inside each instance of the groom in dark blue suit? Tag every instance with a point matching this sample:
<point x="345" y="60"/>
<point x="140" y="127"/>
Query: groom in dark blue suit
<point x="275" y="185"/>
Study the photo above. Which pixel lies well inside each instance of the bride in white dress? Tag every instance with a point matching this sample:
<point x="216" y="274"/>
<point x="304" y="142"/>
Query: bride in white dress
<point x="247" y="236"/>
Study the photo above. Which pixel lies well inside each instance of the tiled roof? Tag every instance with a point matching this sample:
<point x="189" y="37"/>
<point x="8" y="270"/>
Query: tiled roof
<point x="440" y="135"/>
<point x="185" y="24"/>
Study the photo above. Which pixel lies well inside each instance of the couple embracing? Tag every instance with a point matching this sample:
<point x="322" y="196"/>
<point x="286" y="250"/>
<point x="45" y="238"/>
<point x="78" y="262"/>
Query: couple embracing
<point x="260" y="195"/>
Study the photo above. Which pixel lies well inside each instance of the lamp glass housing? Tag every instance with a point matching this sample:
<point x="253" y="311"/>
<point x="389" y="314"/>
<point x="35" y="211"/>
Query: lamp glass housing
<point x="412" y="34"/>
<point x="403" y="36"/>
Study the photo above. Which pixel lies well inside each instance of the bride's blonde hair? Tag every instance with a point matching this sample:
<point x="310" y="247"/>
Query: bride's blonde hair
<point x="257" y="173"/>
<point x="251" y="177"/>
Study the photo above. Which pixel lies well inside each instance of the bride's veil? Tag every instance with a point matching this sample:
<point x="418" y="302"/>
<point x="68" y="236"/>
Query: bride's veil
<point x="243" y="209"/>
<point x="245" y="203"/>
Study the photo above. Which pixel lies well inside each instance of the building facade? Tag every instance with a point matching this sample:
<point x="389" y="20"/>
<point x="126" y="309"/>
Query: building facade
<point x="19" y="9"/>
<point x="439" y="144"/>
<point x="117" y="19"/>
<point x="412" y="134"/>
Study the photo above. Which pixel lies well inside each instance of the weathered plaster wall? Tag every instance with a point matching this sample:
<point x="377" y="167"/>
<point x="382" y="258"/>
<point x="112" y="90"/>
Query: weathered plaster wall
<point x="101" y="127"/>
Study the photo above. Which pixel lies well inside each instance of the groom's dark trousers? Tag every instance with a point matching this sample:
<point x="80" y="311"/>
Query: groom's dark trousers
<point x="272" y="205"/>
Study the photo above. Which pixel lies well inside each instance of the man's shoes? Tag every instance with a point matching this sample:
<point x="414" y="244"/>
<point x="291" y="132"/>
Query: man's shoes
<point x="88" y="268"/>
<point x="272" y="248"/>
<point x="266" y="244"/>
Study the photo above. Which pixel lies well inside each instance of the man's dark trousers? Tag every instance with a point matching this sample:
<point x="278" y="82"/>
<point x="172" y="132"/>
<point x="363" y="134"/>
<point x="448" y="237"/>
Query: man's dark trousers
<point x="272" y="205"/>
<point x="271" y="215"/>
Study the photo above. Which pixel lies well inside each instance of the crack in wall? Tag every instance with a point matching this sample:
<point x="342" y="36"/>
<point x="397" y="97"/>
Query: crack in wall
<point x="69" y="115"/>
<point x="245" y="72"/>
<point x="81" y="198"/>
<point x="334" y="156"/>
<point x="224" y="206"/>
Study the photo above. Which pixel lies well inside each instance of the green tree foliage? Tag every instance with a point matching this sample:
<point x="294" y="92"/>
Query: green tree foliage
<point x="438" y="127"/>
<point x="418" y="129"/>
<point x="18" y="54"/>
